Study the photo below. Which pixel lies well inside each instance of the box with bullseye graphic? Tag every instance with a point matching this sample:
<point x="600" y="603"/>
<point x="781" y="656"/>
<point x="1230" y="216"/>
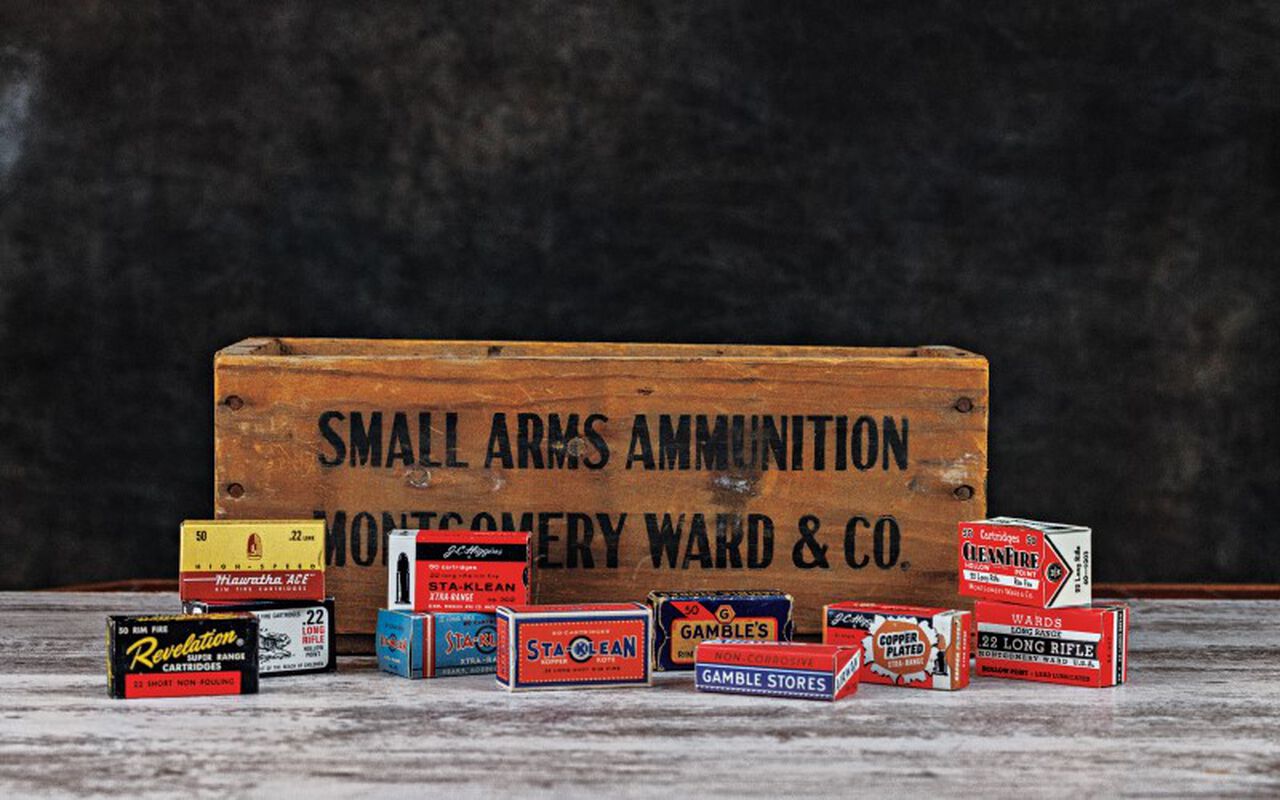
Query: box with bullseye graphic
<point x="600" y="645"/>
<point x="914" y="646"/>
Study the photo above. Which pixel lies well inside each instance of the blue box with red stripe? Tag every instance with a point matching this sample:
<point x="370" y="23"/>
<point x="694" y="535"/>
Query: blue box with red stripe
<point x="435" y="645"/>
<point x="780" y="669"/>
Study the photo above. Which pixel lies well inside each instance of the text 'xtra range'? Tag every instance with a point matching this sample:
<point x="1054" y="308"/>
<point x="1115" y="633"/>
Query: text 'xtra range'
<point x="462" y="603"/>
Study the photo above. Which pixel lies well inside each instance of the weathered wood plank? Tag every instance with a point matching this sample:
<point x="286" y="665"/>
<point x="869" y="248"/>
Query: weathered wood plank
<point x="1177" y="729"/>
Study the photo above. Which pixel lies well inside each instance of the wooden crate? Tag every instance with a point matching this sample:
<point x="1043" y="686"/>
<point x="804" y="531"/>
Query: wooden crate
<point x="636" y="467"/>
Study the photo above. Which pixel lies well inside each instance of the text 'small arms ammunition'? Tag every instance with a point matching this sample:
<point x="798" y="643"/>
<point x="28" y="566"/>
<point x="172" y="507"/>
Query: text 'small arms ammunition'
<point x="781" y="669"/>
<point x="415" y="644"/>
<point x="180" y="655"/>
<point x="230" y="561"/>
<point x="683" y="619"/>
<point x="457" y="570"/>
<point x="603" y="645"/>
<point x="1040" y="564"/>
<point x="295" y="637"/>
<point x="1075" y="646"/>
<point x="915" y="646"/>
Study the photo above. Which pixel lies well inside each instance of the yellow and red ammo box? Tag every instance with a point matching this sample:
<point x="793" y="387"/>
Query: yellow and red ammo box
<point x="233" y="561"/>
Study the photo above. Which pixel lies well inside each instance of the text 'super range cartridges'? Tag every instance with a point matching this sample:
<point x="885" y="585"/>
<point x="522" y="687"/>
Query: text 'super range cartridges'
<point x="181" y="655"/>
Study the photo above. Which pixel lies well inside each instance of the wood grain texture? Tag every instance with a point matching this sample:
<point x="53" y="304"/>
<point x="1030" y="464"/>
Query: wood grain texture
<point x="271" y="448"/>
<point x="1198" y="718"/>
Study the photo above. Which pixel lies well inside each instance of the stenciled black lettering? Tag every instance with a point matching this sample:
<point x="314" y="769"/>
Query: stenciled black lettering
<point x="335" y="538"/>
<point x="895" y="443"/>
<point x="366" y="441"/>
<point x="865" y="444"/>
<point x="612" y="534"/>
<point x="674" y="442"/>
<point x="579" y="532"/>
<point x="759" y="541"/>
<point x="451" y="441"/>
<point x="808" y="542"/>
<point x="334" y="439"/>
<point x="664" y="538"/>
<point x="399" y="445"/>
<point x="697" y="546"/>
<point x="851" y="556"/>
<point x="424" y="441"/>
<point x="641" y="448"/>
<point x="597" y="441"/>
<point x="364" y="538"/>
<point x="545" y="518"/>
<point x="774" y="444"/>
<point x="712" y="444"/>
<point x="529" y="440"/>
<point x="560" y="453"/>
<point x="499" y="446"/>
<point x="819" y="422"/>
<point x="729" y="536"/>
<point x="888" y="542"/>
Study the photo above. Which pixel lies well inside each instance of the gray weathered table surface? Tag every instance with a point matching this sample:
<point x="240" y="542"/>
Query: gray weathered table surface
<point x="1200" y="715"/>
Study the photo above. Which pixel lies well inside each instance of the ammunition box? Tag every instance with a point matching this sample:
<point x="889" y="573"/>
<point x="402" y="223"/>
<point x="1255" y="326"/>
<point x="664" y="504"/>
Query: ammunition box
<point x="182" y="655"/>
<point x="1074" y="646"/>
<point x="457" y="570"/>
<point x="722" y="452"/>
<point x="780" y="669"/>
<point x="914" y="646"/>
<point x="232" y="561"/>
<point x="435" y="645"/>
<point x="603" y="645"/>
<point x="294" y="637"/>
<point x="681" y="620"/>
<point x="1024" y="562"/>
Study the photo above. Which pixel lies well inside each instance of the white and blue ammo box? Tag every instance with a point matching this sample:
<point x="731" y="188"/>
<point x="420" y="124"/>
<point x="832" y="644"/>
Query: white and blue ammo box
<point x="416" y="644"/>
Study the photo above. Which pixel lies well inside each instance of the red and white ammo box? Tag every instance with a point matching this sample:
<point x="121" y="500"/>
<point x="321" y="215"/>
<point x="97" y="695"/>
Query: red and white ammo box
<point x="1075" y="646"/>
<point x="588" y="646"/>
<point x="1040" y="564"/>
<point x="914" y="646"/>
<point x="457" y="570"/>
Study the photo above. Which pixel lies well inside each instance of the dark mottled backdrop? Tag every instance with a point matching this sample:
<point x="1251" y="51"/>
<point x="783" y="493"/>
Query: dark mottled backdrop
<point x="1087" y="193"/>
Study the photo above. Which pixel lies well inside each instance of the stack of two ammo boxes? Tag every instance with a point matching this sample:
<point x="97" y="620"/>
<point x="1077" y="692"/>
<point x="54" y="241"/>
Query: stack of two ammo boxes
<point x="253" y="602"/>
<point x="1034" y="613"/>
